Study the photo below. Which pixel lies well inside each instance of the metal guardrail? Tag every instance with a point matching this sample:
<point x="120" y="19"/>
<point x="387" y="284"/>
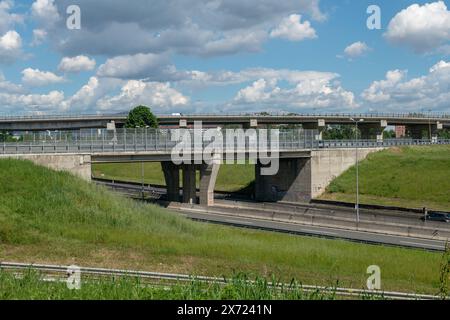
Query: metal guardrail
<point x="145" y="275"/>
<point x="158" y="140"/>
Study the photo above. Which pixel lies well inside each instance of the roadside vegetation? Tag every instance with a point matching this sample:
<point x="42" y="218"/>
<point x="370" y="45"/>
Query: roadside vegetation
<point x="407" y="177"/>
<point x="54" y="217"/>
<point x="130" y="288"/>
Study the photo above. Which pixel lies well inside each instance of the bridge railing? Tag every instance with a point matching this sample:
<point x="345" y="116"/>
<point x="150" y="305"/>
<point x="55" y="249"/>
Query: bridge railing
<point x="426" y="115"/>
<point x="160" y="140"/>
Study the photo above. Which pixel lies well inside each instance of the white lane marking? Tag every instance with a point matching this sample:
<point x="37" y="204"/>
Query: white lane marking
<point x="421" y="244"/>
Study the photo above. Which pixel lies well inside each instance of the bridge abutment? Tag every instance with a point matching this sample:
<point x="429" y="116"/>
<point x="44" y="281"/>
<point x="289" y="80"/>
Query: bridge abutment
<point x="77" y="164"/>
<point x="302" y="179"/>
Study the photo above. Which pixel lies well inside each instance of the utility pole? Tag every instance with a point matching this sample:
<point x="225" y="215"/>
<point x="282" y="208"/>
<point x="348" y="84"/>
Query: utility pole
<point x="357" y="167"/>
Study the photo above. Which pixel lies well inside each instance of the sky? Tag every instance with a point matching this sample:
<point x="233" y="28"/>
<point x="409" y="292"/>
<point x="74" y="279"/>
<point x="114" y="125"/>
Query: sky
<point x="224" y="56"/>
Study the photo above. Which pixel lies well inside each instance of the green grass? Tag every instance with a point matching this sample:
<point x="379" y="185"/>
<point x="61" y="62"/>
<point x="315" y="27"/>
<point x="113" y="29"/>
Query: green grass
<point x="53" y="217"/>
<point x="129" y="288"/>
<point x="409" y="177"/>
<point x="231" y="178"/>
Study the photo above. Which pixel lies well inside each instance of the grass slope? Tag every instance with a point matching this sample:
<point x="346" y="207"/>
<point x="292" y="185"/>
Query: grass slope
<point x="409" y="176"/>
<point x="53" y="217"/>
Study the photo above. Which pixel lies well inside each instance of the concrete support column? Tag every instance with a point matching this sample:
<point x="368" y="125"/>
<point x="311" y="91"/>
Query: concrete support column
<point x="292" y="182"/>
<point x="372" y="130"/>
<point x="208" y="177"/>
<point x="418" y="131"/>
<point x="189" y="184"/>
<point x="319" y="125"/>
<point x="172" y="177"/>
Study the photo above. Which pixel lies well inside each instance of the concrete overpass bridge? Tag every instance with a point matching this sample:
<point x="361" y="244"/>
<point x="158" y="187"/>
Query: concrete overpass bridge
<point x="371" y="127"/>
<point x="306" y="165"/>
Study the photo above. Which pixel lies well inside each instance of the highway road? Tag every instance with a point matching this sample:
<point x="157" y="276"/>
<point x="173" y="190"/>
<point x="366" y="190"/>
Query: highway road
<point x="200" y="214"/>
<point x="325" y="232"/>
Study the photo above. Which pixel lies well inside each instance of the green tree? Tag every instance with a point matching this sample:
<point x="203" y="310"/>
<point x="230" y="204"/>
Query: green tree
<point x="141" y="117"/>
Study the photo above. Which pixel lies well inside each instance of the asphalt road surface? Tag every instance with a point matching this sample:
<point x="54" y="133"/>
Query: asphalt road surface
<point x="325" y="232"/>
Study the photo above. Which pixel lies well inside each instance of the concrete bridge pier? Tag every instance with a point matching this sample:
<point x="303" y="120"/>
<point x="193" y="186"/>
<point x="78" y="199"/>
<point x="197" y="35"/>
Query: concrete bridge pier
<point x="189" y="183"/>
<point x="423" y="130"/>
<point x="319" y="125"/>
<point x="172" y="177"/>
<point x="372" y="130"/>
<point x="208" y="178"/>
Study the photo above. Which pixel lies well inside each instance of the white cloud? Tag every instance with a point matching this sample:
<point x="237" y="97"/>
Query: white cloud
<point x="31" y="102"/>
<point x="194" y="27"/>
<point x="307" y="90"/>
<point x="39" y="36"/>
<point x="135" y="66"/>
<point x="46" y="12"/>
<point x="7" y="19"/>
<point x="356" y="49"/>
<point x="37" y="78"/>
<point x="8" y="87"/>
<point x="291" y="28"/>
<point x="422" y="28"/>
<point x="160" y="96"/>
<point x="10" y="47"/>
<point x="76" y="64"/>
<point x="396" y="92"/>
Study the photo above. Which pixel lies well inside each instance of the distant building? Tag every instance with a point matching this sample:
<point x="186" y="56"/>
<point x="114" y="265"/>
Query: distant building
<point x="400" y="131"/>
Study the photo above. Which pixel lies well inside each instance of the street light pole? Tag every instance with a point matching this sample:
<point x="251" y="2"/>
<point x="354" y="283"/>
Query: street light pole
<point x="357" y="167"/>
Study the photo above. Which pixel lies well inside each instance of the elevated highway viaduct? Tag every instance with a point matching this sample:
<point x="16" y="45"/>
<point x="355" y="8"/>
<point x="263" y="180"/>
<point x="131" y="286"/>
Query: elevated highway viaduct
<point x="371" y="127"/>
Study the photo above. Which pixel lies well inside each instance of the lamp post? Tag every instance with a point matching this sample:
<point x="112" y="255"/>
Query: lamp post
<point x="357" y="167"/>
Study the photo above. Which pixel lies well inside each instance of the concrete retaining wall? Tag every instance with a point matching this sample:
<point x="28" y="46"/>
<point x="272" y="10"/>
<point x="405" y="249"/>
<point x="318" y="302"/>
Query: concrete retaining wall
<point x="327" y="164"/>
<point x="77" y="164"/>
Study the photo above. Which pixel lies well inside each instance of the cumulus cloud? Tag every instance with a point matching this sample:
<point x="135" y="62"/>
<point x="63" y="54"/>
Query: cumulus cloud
<point x="139" y="66"/>
<point x="307" y="90"/>
<point x="356" y="49"/>
<point x="397" y="92"/>
<point x="189" y="27"/>
<point x="422" y="28"/>
<point x="76" y="64"/>
<point x="39" y="36"/>
<point x="8" y="87"/>
<point x="10" y="47"/>
<point x="8" y="19"/>
<point x="37" y="78"/>
<point x="32" y="102"/>
<point x="291" y="28"/>
<point x="46" y="12"/>
<point x="158" y="95"/>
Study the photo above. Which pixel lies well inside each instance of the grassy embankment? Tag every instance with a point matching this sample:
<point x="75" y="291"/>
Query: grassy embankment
<point x="406" y="177"/>
<point x="53" y="217"/>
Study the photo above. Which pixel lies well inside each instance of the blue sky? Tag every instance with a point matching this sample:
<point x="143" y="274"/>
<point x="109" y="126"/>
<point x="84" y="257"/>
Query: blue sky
<point x="224" y="56"/>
